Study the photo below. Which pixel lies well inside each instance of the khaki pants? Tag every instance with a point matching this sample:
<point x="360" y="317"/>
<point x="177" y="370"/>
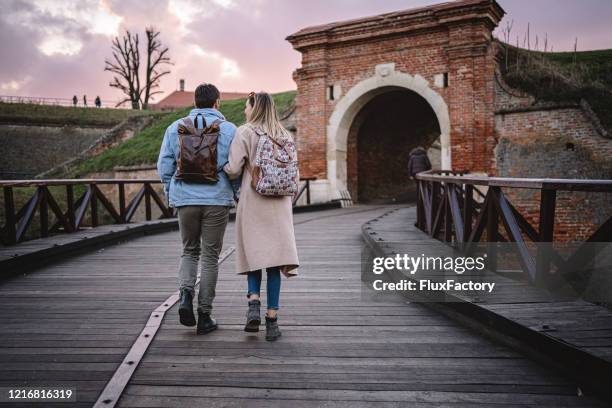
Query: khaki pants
<point x="202" y="229"/>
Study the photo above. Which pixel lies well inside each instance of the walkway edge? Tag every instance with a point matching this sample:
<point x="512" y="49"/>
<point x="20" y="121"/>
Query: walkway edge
<point x="28" y="262"/>
<point x="591" y="371"/>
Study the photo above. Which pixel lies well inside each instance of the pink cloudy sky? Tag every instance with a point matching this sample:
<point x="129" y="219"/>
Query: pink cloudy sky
<point x="56" y="48"/>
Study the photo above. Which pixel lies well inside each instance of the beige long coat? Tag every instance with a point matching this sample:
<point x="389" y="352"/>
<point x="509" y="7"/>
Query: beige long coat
<point x="264" y="225"/>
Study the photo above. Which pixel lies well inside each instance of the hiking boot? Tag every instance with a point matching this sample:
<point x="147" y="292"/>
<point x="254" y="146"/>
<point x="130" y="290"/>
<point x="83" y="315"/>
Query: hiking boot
<point x="272" y="330"/>
<point x="206" y="324"/>
<point x="253" y="317"/>
<point x="186" y="316"/>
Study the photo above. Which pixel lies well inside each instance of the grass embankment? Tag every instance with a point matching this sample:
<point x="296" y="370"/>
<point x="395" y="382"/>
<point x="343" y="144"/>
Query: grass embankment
<point x="564" y="76"/>
<point x="141" y="149"/>
<point x="28" y="113"/>
<point x="144" y="147"/>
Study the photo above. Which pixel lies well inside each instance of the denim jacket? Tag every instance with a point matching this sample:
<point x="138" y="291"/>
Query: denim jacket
<point x="180" y="193"/>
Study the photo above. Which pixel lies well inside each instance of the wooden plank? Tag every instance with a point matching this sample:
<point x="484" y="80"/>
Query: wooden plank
<point x="239" y="395"/>
<point x="109" y="397"/>
<point x="531" y="183"/>
<point x="84" y="310"/>
<point x="529" y="313"/>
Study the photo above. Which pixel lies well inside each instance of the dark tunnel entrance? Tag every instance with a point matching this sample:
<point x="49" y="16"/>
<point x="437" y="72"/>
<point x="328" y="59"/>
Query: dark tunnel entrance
<point x="380" y="139"/>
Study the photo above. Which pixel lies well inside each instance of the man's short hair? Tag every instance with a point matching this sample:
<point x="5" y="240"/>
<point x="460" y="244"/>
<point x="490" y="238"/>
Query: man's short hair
<point x="206" y="95"/>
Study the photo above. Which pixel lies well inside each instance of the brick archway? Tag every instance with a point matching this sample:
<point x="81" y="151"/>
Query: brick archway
<point x="442" y="52"/>
<point x="347" y="108"/>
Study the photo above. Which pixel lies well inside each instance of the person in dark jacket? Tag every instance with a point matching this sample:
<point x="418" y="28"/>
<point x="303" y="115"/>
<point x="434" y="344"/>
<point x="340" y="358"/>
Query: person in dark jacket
<point x="418" y="161"/>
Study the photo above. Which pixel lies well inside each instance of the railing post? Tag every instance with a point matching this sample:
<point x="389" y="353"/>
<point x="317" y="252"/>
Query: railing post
<point x="448" y="220"/>
<point x="94" y="205"/>
<point x="492" y="229"/>
<point x="548" y="200"/>
<point x="468" y="211"/>
<point x="9" y="215"/>
<point x="435" y="201"/>
<point x="70" y="207"/>
<point x="44" y="212"/>
<point x="121" y="187"/>
<point x="147" y="197"/>
<point x="420" y="212"/>
<point x="307" y="192"/>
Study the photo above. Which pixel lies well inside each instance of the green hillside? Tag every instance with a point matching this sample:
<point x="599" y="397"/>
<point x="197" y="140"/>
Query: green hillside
<point x="564" y="76"/>
<point x="29" y="113"/>
<point x="144" y="147"/>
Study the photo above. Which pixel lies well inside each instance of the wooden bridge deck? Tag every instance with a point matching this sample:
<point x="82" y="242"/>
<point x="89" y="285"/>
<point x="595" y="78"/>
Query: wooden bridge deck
<point x="74" y="321"/>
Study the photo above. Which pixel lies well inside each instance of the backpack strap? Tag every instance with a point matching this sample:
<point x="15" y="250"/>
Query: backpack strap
<point x="187" y="127"/>
<point x="195" y="121"/>
<point x="213" y="126"/>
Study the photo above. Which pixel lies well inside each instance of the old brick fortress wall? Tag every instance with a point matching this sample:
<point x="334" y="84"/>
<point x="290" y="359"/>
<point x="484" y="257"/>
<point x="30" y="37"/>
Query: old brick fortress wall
<point x="441" y="53"/>
<point x="371" y="89"/>
<point x="553" y="140"/>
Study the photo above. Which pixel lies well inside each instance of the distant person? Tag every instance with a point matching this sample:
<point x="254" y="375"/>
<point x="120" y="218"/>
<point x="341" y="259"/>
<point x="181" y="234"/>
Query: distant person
<point x="203" y="208"/>
<point x="265" y="238"/>
<point x="75" y="100"/>
<point x="418" y="161"/>
<point x="98" y="102"/>
<point x="84" y="100"/>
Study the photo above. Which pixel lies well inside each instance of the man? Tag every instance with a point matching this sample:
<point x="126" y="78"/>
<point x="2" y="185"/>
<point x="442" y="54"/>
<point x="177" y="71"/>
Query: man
<point x="203" y="211"/>
<point x="418" y="161"/>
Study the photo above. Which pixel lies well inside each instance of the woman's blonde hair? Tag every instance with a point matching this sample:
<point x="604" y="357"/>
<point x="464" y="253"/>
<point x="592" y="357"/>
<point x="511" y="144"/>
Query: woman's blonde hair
<point x="265" y="116"/>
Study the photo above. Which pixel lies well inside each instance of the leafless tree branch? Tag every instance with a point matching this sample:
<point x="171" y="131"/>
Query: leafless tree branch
<point x="125" y="65"/>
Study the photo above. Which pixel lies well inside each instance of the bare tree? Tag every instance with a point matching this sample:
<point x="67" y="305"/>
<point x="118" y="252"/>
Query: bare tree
<point x="125" y="64"/>
<point x="156" y="57"/>
<point x="506" y="32"/>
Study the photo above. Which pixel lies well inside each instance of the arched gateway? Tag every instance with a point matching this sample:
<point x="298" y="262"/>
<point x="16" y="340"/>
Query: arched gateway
<point x="370" y="90"/>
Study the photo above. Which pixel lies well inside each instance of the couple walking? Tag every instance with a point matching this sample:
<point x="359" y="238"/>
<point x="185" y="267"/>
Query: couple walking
<point x="262" y="155"/>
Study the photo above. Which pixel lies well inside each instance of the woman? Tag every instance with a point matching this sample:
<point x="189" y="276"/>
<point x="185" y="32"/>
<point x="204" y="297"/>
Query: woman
<point x="264" y="224"/>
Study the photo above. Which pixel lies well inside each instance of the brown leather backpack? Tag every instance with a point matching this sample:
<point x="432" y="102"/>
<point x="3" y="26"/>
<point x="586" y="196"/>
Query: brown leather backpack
<point x="197" y="158"/>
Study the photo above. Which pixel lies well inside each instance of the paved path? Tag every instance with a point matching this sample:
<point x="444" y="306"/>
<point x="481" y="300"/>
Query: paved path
<point x="73" y="322"/>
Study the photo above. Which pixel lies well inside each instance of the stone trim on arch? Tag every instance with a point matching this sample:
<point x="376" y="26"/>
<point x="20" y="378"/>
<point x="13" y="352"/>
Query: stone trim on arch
<point x="346" y="109"/>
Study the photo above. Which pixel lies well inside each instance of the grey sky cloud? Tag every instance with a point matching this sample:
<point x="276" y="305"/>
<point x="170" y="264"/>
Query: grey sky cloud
<point x="238" y="44"/>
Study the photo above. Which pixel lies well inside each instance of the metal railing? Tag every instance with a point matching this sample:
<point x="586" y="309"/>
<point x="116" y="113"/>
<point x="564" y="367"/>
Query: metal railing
<point x="452" y="208"/>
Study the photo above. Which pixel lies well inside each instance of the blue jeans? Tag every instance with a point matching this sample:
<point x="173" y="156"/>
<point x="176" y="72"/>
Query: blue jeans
<point x="273" y="285"/>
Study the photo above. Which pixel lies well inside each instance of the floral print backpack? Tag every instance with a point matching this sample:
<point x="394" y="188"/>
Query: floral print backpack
<point x="275" y="171"/>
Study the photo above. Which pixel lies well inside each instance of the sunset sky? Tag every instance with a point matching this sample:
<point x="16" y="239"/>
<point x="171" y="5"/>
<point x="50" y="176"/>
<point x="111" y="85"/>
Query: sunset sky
<point x="56" y="48"/>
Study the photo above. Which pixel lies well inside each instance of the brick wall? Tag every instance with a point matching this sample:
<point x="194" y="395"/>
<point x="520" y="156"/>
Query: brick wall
<point x="423" y="45"/>
<point x="556" y="143"/>
<point x="493" y="129"/>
